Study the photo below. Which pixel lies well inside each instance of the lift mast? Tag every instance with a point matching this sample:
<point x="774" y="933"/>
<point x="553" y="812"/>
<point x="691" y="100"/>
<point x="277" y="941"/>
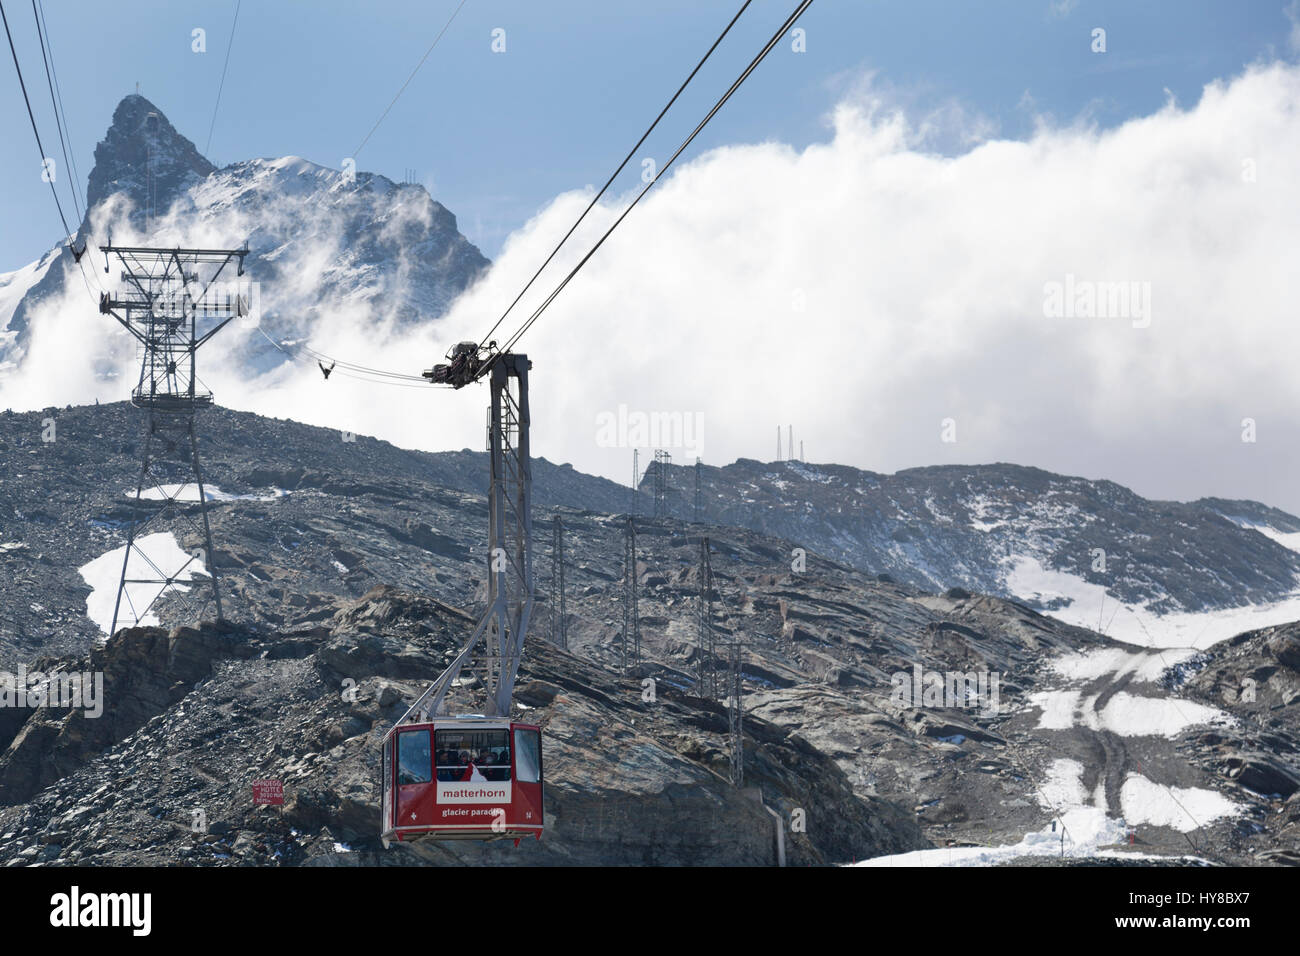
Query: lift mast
<point x="504" y="625"/>
<point x="166" y="294"/>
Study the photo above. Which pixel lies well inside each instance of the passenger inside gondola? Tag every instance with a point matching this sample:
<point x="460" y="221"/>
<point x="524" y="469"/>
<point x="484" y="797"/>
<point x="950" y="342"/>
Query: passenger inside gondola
<point x="473" y="755"/>
<point x="467" y="769"/>
<point x="446" y="768"/>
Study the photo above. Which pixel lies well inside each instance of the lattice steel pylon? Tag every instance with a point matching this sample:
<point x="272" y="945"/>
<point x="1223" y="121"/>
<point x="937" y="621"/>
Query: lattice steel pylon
<point x="735" y="712"/>
<point x="707" y="669"/>
<point x="662" y="461"/>
<point x="172" y="304"/>
<point x="631" y="644"/>
<point x="699" y="490"/>
<point x="504" y="625"/>
<point x="559" y="612"/>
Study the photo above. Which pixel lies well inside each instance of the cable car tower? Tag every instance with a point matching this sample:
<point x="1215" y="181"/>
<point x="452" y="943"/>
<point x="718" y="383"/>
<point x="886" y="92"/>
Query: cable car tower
<point x="662" y="461"/>
<point x="504" y="625"/>
<point x="559" y="610"/>
<point x="168" y="295"/>
<point x="425" y="793"/>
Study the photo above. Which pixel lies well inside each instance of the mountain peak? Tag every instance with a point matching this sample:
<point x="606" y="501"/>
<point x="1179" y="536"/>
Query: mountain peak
<point x="143" y="155"/>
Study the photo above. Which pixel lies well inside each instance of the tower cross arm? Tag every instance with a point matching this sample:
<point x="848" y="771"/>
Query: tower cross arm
<point x="109" y="306"/>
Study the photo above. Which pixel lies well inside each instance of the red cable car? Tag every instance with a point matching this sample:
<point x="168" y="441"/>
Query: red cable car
<point x="462" y="778"/>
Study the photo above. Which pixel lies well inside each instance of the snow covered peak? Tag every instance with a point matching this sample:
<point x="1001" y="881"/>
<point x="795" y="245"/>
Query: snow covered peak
<point x="143" y="155"/>
<point x="323" y="242"/>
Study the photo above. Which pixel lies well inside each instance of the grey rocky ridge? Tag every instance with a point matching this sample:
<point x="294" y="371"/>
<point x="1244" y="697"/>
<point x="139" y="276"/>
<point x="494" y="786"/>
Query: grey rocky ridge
<point x="353" y="569"/>
<point x="951" y="524"/>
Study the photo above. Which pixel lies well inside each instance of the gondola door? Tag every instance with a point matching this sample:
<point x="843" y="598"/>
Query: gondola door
<point x="526" y="771"/>
<point x="386" y="787"/>
<point x="415" y="787"/>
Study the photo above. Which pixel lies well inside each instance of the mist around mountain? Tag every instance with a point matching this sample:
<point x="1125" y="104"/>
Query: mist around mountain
<point x="327" y="247"/>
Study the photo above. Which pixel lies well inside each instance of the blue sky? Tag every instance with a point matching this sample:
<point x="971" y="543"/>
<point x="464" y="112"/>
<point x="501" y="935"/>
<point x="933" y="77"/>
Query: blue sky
<point x="497" y="135"/>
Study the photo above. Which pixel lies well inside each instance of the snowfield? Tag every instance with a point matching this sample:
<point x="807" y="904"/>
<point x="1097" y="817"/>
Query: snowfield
<point x="103" y="574"/>
<point x="1134" y="624"/>
<point x="1079" y="832"/>
<point x="1131" y="716"/>
<point x="1288" y="539"/>
<point x="13" y="287"/>
<point x="190" y="492"/>
<point x="1184" y="809"/>
<point x="1143" y="666"/>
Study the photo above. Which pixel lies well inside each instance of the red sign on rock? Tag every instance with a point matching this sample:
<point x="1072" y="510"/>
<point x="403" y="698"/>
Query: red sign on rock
<point x="268" y="791"/>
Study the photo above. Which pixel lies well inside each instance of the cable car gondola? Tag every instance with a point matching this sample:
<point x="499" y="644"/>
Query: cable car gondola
<point x="462" y="778"/>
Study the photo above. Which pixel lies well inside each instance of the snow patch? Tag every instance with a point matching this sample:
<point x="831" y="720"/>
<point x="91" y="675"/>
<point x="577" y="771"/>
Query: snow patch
<point x="1063" y="785"/>
<point x="808" y="473"/>
<point x="190" y="492"/>
<point x="1131" y="716"/>
<point x="1058" y="708"/>
<point x="979" y="507"/>
<point x="1124" y="714"/>
<point x="1143" y="667"/>
<point x="152" y="553"/>
<point x="1184" y="809"/>
<point x="1080" y="832"/>
<point x="1288" y="539"/>
<point x="1028" y="580"/>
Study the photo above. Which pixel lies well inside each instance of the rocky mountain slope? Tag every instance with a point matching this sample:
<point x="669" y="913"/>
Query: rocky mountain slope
<point x="1049" y="540"/>
<point x="352" y="568"/>
<point x="627" y="782"/>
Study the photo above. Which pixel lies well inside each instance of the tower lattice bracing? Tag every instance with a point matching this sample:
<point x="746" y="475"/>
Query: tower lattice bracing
<point x="735" y="712"/>
<point x="631" y="645"/>
<point x="172" y="301"/>
<point x="559" y="612"/>
<point x="706" y="671"/>
<point x="504" y="626"/>
<point x="636" y="482"/>
<point x="699" y="491"/>
<point x="662" y="461"/>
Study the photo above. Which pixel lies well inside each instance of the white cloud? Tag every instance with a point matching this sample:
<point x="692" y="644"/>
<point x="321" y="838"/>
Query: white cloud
<point x="921" y="278"/>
